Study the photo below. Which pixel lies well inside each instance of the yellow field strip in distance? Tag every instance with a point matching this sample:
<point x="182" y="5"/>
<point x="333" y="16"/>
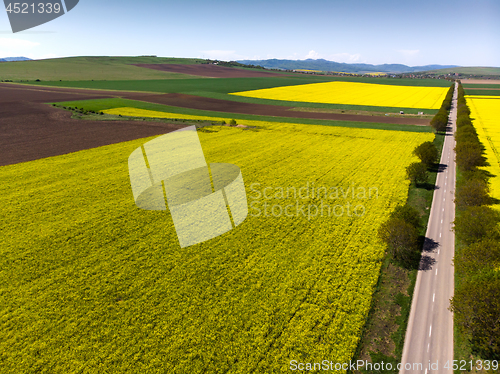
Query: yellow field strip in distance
<point x="354" y="93"/>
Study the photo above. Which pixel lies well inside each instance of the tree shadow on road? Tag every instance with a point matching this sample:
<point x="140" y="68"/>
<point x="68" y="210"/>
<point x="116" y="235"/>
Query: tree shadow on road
<point x="426" y="262"/>
<point x="430" y="245"/>
<point x="438" y="168"/>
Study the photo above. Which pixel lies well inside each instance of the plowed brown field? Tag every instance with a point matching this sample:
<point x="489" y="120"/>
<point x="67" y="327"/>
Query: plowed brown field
<point x="30" y="129"/>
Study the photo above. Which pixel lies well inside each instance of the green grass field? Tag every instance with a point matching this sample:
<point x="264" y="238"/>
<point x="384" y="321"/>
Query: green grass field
<point x="471" y="91"/>
<point x="103" y="104"/>
<point x="90" y="283"/>
<point x="89" y="68"/>
<point x="472" y="86"/>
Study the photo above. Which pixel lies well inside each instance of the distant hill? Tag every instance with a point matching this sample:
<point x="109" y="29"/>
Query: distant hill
<point x="325" y="65"/>
<point x="10" y="59"/>
<point x="91" y="68"/>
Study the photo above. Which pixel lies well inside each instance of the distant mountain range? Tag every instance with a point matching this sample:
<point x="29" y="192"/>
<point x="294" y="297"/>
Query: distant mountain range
<point x="8" y="59"/>
<point x="325" y="65"/>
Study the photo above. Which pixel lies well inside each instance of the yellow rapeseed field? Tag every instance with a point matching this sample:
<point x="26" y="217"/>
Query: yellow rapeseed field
<point x="295" y="280"/>
<point x="354" y="93"/>
<point x="135" y="112"/>
<point x="485" y="111"/>
<point x="309" y="70"/>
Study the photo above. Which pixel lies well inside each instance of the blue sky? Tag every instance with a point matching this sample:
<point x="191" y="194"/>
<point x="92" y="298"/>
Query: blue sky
<point x="411" y="32"/>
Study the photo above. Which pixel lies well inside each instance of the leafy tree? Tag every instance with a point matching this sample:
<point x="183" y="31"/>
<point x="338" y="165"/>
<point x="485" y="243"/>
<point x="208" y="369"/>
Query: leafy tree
<point x="408" y="214"/>
<point x="427" y="153"/>
<point x="476" y="223"/>
<point x="466" y="134"/>
<point x="401" y="239"/>
<point x="463" y="109"/>
<point x="440" y="121"/>
<point x="417" y="173"/>
<point x="476" y="306"/>
<point x="463" y="121"/>
<point x="472" y="192"/>
<point x="469" y="155"/>
<point x="448" y="99"/>
<point x="400" y="233"/>
<point x="480" y="257"/>
<point x="476" y="174"/>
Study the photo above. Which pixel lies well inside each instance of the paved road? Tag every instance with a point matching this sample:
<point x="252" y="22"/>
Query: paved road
<point x="429" y="337"/>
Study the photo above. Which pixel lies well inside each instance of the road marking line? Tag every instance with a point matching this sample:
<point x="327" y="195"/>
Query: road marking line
<point x="441" y="221"/>
<point x="438" y="251"/>
<point x="439" y="234"/>
<point x="430" y="330"/>
<point x="433" y="296"/>
<point x="436" y="271"/>
<point x="426" y="368"/>
<point x="428" y="345"/>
